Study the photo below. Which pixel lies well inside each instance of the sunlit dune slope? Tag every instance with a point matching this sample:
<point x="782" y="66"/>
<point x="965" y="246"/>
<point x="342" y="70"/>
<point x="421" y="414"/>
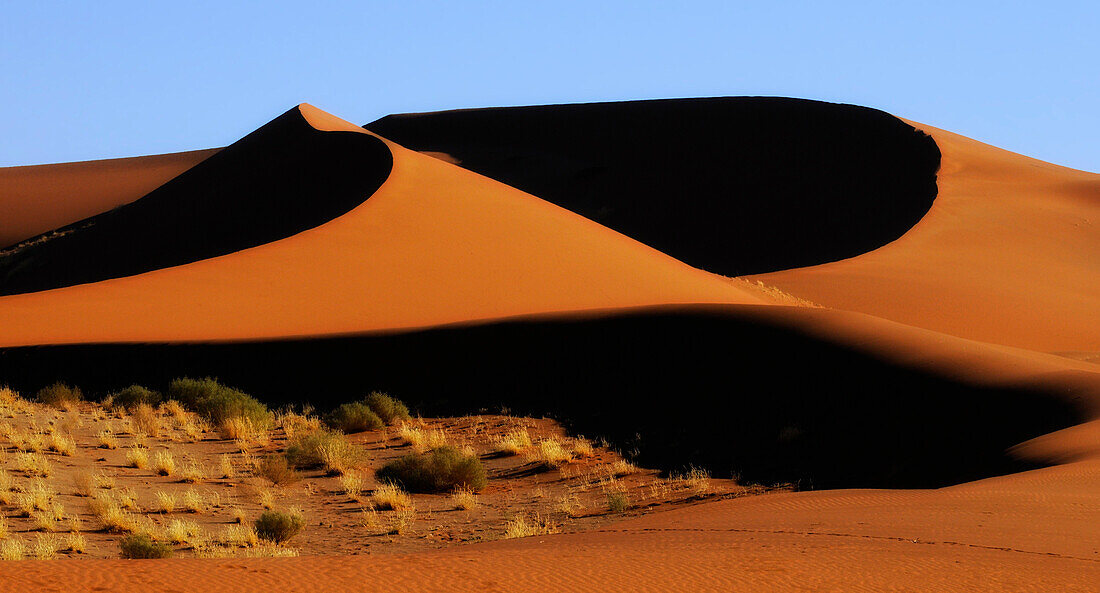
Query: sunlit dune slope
<point x="1009" y="254"/>
<point x="37" y="199"/>
<point x="279" y="180"/>
<point x="435" y="244"/>
<point x="732" y="185"/>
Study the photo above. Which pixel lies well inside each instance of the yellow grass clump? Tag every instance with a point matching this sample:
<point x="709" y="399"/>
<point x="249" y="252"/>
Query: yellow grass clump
<point x="137" y="457"/>
<point x="389" y="496"/>
<point x="165" y="502"/>
<point x="521" y="526"/>
<point x="464" y="498"/>
<point x="33" y="464"/>
<point x="352" y="485"/>
<point x="164" y="463"/>
<point x="182" y="531"/>
<point x="193" y="502"/>
<point x="514" y="442"/>
<point x="550" y="452"/>
<point x="12" y="549"/>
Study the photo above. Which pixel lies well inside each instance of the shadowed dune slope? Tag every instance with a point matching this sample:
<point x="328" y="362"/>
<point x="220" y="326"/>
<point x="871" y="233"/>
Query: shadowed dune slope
<point x="435" y="244"/>
<point x="732" y="185"/>
<point x="825" y="398"/>
<point x="283" y="178"/>
<point x="1009" y="254"/>
<point x="39" y="198"/>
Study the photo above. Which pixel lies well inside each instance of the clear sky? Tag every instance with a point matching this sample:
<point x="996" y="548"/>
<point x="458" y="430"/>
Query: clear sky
<point x="86" y="80"/>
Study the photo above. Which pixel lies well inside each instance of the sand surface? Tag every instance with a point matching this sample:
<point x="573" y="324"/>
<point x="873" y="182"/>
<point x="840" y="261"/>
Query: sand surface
<point x="405" y="258"/>
<point x="1002" y="271"/>
<point x="40" y="198"/>
<point x="1029" y="532"/>
<point x="1008" y="254"/>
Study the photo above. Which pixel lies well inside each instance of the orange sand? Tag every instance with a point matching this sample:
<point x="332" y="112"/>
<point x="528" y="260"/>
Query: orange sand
<point x="1006" y="260"/>
<point x="40" y="198"/>
<point x="1009" y="254"/>
<point x="1028" y="532"/>
<point x="436" y="244"/>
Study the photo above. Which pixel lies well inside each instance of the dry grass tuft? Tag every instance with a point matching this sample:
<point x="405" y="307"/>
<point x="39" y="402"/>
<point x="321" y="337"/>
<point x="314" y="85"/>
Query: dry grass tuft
<point x="165" y="502"/>
<point x="389" y="496"/>
<point x="521" y="526"/>
<point x="137" y="457"/>
<point x="464" y="498"/>
<point x="516" y="441"/>
<point x="164" y="463"/>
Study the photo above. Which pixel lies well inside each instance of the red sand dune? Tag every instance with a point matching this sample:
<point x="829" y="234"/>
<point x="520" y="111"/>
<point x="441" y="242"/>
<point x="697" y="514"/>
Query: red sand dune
<point x="1008" y="254"/>
<point x="1002" y="270"/>
<point x="40" y="198"/>
<point x="428" y="248"/>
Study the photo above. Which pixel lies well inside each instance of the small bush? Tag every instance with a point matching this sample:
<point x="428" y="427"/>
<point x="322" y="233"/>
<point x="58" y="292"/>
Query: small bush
<point x="390" y="497"/>
<point x="279" y="527"/>
<point x="276" y="469"/>
<point x="441" y="470"/>
<point x="142" y="546"/>
<point x="218" y="402"/>
<point x="617" y="502"/>
<point x="389" y="409"/>
<point x="354" y="417"/>
<point x="330" y="450"/>
<point x="130" y="397"/>
<point x="145" y="419"/>
<point x="59" y="395"/>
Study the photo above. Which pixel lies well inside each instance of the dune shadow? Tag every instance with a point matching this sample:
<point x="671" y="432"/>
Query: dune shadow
<point x="691" y="386"/>
<point x="733" y="185"/>
<point x="282" y="179"/>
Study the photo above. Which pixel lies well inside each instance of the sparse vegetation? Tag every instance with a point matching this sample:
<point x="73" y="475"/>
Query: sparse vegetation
<point x="279" y="527"/>
<point x="219" y="403"/>
<point x="353" y="417"/>
<point x="330" y="450"/>
<point x="464" y="498"/>
<point x="520" y="526"/>
<point x="131" y="397"/>
<point x="390" y="497"/>
<point x="59" y="395"/>
<point x="277" y="470"/>
<point x="440" y="470"/>
<point x="389" y="409"/>
<point x="142" y="546"/>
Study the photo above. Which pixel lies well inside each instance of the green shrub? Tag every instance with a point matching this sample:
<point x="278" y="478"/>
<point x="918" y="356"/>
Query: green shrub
<point x="323" y="448"/>
<point x="353" y="417"/>
<point x="133" y="396"/>
<point x="276" y="469"/>
<point x="59" y="394"/>
<point x="389" y="409"/>
<point x="440" y="470"/>
<point x="617" y="502"/>
<point x="278" y="527"/>
<point x="140" y="545"/>
<point x="218" y="402"/>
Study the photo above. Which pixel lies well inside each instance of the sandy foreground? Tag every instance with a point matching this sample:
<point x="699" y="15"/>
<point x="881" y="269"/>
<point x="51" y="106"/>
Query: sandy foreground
<point x="1029" y="532"/>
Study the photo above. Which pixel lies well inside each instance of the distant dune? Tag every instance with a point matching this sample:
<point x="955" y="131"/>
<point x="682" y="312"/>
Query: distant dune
<point x="564" y="260"/>
<point x="40" y="198"/>
<point x="733" y="185"/>
<point x="1009" y="254"/>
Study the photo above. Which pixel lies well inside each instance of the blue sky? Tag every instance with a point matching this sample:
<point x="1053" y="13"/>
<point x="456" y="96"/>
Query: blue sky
<point x="86" y="80"/>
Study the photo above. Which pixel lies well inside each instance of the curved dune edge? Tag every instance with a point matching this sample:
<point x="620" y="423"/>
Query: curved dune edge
<point x="1028" y="532"/>
<point x="435" y="244"/>
<point x="1006" y="255"/>
<point x="39" y="198"/>
<point x="279" y="180"/>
